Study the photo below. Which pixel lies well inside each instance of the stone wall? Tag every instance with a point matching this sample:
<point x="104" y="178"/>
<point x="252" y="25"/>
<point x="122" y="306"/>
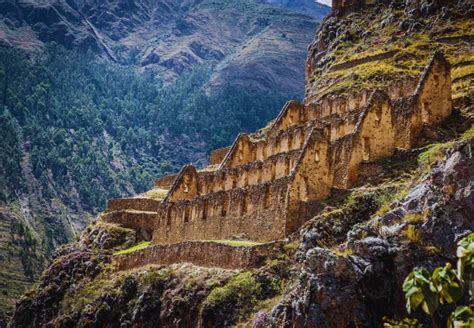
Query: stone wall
<point x="253" y="173"/>
<point x="312" y="180"/>
<point x="208" y="254"/>
<point x="269" y="183"/>
<point x="137" y="203"/>
<point x="258" y="212"/>
<point x="217" y="156"/>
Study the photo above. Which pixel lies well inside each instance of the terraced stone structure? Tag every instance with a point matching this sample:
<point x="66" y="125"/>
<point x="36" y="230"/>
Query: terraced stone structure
<point x="268" y="183"/>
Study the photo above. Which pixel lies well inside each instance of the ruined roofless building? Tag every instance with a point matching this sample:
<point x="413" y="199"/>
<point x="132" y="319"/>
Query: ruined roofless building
<point x="267" y="184"/>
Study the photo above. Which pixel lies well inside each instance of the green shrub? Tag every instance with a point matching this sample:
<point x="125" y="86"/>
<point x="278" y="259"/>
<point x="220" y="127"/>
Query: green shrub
<point x="234" y="300"/>
<point x="444" y="286"/>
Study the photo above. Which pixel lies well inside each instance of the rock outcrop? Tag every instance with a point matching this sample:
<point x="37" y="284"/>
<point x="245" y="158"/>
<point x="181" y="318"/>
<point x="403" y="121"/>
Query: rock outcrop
<point x="363" y="287"/>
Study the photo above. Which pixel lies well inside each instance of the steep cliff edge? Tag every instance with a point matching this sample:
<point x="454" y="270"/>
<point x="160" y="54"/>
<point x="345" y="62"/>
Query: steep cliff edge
<point x="344" y="267"/>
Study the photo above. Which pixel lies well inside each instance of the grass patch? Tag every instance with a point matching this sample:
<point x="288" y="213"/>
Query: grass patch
<point x="155" y="278"/>
<point x="415" y="218"/>
<point x="238" y="296"/>
<point x="389" y="195"/>
<point x="434" y="153"/>
<point x="460" y="72"/>
<point x="156" y="194"/>
<point x="468" y="134"/>
<point x="142" y="245"/>
<point x="413" y="234"/>
<point x="237" y="243"/>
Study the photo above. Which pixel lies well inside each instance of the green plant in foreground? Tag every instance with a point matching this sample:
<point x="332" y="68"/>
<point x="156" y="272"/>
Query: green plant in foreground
<point x="444" y="286"/>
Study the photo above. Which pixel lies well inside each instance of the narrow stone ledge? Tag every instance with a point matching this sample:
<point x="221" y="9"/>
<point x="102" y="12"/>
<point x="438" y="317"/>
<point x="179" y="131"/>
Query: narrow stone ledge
<point x="200" y="253"/>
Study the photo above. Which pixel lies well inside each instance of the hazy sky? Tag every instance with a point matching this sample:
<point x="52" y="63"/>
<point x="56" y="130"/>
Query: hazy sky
<point x="326" y="2"/>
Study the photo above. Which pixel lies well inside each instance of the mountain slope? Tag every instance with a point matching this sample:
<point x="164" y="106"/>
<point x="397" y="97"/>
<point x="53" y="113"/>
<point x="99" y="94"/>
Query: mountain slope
<point x="168" y="37"/>
<point x="345" y="267"/>
<point x="308" y="7"/>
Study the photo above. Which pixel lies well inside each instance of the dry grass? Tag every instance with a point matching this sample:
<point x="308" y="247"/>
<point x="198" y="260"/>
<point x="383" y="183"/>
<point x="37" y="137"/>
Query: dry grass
<point x="156" y="194"/>
<point x="413" y="234"/>
<point x="142" y="245"/>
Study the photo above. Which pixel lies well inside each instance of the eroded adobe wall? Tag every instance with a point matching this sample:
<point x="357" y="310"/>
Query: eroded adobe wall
<point x="165" y="182"/>
<point x="312" y="181"/>
<point x="374" y="135"/>
<point x="217" y="156"/>
<point x="207" y="254"/>
<point x="258" y="211"/>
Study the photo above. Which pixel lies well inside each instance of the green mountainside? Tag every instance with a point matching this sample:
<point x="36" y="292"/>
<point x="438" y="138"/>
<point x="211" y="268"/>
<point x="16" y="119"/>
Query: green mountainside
<point x="168" y="37"/>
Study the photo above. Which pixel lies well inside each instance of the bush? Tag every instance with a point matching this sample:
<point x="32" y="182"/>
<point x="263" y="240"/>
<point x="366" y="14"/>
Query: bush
<point x="232" y="301"/>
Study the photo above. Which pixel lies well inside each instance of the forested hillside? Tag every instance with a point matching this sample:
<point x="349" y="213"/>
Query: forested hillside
<point x="83" y="123"/>
<point x="76" y="132"/>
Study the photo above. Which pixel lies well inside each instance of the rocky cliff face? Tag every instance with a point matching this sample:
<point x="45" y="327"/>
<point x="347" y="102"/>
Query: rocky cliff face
<point x="345" y="267"/>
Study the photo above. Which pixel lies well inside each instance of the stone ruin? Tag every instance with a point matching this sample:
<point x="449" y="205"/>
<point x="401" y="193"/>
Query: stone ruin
<point x="267" y="184"/>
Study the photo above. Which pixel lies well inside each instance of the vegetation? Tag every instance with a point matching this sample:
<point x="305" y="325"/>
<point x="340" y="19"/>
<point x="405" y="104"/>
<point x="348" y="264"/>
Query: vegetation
<point x="105" y="131"/>
<point x="369" y="35"/>
<point x="137" y="247"/>
<point x="240" y="292"/>
<point x="445" y="285"/>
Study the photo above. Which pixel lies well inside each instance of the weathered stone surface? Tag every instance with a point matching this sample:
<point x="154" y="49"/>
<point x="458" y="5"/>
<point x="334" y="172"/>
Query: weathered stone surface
<point x="202" y="253"/>
<point x="361" y="288"/>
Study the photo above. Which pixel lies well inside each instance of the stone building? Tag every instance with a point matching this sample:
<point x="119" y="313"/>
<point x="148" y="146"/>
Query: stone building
<point x="267" y="184"/>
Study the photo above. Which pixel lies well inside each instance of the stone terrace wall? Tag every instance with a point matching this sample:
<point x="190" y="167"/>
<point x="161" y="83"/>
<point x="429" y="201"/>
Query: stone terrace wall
<point x="143" y="222"/>
<point x="208" y="254"/>
<point x="139" y="204"/>
<point x="258" y="211"/>
<point x="254" y="173"/>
